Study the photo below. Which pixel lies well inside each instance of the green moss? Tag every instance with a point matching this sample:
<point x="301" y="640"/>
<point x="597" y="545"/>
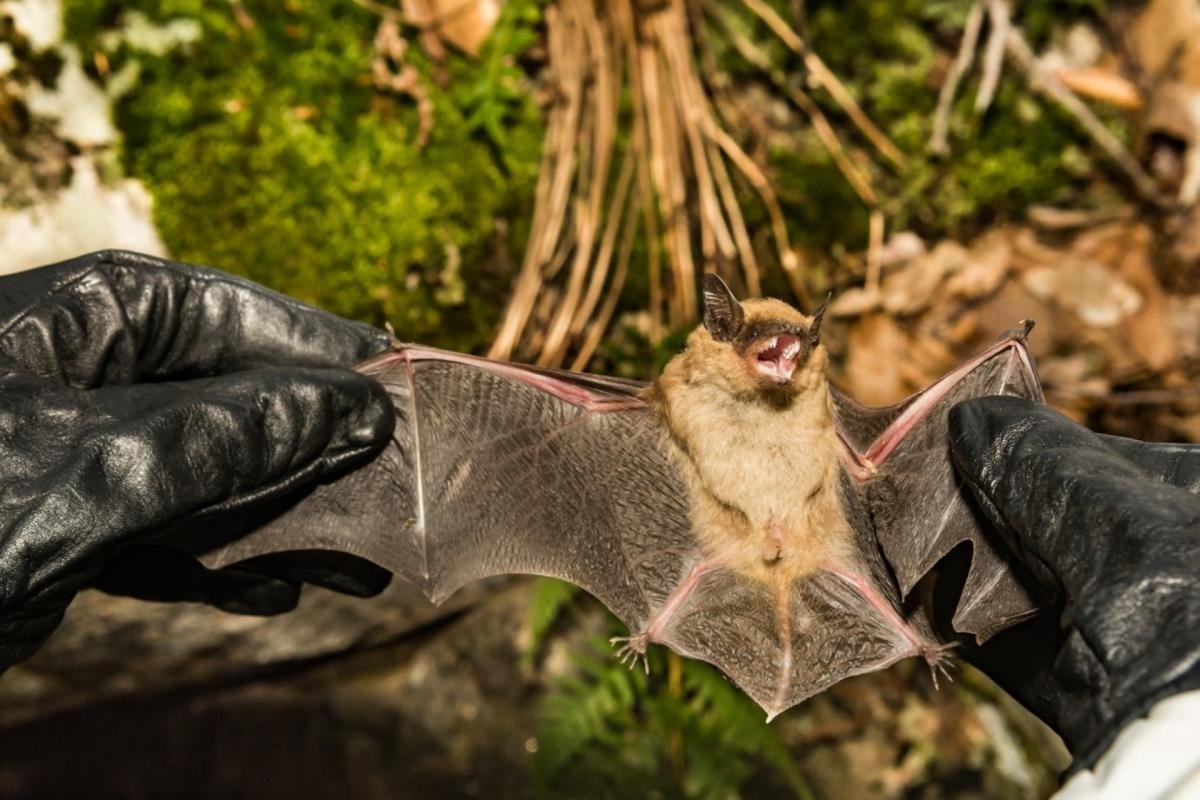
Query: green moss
<point x="270" y="154"/>
<point x="892" y="57"/>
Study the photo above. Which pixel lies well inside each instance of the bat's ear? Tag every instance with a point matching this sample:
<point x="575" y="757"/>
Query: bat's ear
<point x="814" y="330"/>
<point x="723" y="314"/>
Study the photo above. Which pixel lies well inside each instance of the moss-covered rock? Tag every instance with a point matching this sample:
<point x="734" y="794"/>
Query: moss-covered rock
<point x="271" y="154"/>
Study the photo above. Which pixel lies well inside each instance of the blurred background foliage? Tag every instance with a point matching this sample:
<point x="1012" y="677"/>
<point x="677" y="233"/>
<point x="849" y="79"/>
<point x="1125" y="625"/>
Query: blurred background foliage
<point x="270" y="153"/>
<point x="341" y="152"/>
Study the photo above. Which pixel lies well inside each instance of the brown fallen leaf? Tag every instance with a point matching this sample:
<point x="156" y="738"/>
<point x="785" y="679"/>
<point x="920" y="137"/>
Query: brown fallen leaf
<point x="855" y="302"/>
<point x="915" y="286"/>
<point x="1148" y="329"/>
<point x="464" y="24"/>
<point x="987" y="265"/>
<point x="1101" y="84"/>
<point x="887" y="363"/>
<point x="1095" y="293"/>
<point x="1164" y="40"/>
<point x="1183" y="320"/>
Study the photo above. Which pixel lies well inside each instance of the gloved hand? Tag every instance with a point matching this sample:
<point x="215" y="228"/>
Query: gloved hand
<point x="1111" y="528"/>
<point x="135" y="392"/>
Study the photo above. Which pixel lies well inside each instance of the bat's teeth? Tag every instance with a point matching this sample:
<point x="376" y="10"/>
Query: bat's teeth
<point x="792" y="349"/>
<point x="771" y="344"/>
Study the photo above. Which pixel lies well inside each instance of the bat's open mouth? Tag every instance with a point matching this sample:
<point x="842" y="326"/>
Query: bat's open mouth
<point x="776" y="357"/>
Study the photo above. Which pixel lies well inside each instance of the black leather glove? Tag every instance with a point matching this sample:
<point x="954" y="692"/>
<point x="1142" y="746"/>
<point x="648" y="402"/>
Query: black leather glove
<point x="135" y="392"/>
<point x="1111" y="528"/>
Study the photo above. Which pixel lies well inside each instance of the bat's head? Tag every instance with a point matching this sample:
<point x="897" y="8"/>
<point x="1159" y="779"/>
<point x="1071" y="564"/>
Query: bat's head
<point x="760" y="346"/>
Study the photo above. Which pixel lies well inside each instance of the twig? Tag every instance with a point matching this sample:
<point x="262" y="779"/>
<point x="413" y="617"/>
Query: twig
<point x="857" y="178"/>
<point x="823" y="76"/>
<point x="801" y="14"/>
<point x="693" y="107"/>
<point x="1137" y="397"/>
<point x="617" y="209"/>
<point x="874" y="251"/>
<point x="939" y="142"/>
<point x="390" y="73"/>
<point x="1000" y="20"/>
<point x="599" y="126"/>
<point x="1059" y="219"/>
<point x="600" y="323"/>
<point x="668" y="177"/>
<point x="554" y="180"/>
<point x="626" y="25"/>
<point x="740" y="234"/>
<point x="746" y="165"/>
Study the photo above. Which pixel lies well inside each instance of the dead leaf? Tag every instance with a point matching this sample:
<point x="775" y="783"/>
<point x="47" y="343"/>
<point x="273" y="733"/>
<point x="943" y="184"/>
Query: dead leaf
<point x="1187" y="427"/>
<point x="1165" y="41"/>
<point x="1148" y="330"/>
<point x="1089" y="289"/>
<point x="1183" y="319"/>
<point x="887" y="363"/>
<point x="854" y="302"/>
<point x="1161" y="29"/>
<point x="1101" y="84"/>
<point x="986" y="267"/>
<point x="901" y="247"/>
<point x="465" y="24"/>
<point x="912" y="288"/>
<point x="1074" y="378"/>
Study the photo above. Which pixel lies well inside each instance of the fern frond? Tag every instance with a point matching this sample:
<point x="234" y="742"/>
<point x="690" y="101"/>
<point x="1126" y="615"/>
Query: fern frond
<point x="551" y="598"/>
<point x="742" y="723"/>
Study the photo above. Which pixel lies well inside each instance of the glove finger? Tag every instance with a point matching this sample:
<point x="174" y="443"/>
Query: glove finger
<point x="1176" y="464"/>
<point x="116" y="317"/>
<point x="153" y="454"/>
<point x="256" y="435"/>
<point x="160" y="574"/>
<point x="338" y="572"/>
<point x="1065" y="498"/>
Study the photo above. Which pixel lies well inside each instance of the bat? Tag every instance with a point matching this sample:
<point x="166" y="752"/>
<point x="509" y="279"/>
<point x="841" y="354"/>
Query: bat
<point x="740" y="509"/>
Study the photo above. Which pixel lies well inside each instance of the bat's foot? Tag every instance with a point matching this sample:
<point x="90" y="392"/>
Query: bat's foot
<point x="632" y="648"/>
<point x="940" y="660"/>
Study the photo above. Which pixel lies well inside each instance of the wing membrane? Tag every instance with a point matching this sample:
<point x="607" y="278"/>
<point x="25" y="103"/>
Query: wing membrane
<point x="492" y="475"/>
<point x="918" y="506"/>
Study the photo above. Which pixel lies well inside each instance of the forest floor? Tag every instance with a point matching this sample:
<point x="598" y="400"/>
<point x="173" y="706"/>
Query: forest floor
<point x="343" y="154"/>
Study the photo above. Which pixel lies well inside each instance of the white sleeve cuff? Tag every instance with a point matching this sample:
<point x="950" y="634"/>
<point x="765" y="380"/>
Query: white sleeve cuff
<point x="1154" y="758"/>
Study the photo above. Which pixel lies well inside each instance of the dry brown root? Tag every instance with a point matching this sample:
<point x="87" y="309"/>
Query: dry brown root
<point x="676" y="183"/>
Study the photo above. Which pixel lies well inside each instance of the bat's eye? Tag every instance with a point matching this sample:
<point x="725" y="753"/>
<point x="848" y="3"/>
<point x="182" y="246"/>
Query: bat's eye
<point x="776" y="357"/>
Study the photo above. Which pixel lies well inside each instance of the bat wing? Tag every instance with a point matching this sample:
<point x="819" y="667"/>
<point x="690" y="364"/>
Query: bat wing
<point x="901" y="465"/>
<point x="498" y="468"/>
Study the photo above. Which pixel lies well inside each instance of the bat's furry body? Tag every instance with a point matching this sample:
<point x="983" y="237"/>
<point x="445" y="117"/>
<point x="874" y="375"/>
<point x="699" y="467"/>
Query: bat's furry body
<point x="762" y="470"/>
<point x="740" y="510"/>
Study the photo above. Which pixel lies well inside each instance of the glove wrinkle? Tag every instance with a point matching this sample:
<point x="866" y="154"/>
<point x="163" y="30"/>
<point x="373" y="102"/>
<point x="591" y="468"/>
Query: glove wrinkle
<point x="137" y="393"/>
<point x="119" y="318"/>
<point x="1112" y="526"/>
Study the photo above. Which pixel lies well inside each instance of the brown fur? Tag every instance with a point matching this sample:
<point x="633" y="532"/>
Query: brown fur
<point x="761" y="461"/>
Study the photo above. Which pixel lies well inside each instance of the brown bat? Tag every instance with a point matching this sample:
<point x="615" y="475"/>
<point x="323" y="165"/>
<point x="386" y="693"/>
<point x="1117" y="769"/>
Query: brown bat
<point x="739" y="510"/>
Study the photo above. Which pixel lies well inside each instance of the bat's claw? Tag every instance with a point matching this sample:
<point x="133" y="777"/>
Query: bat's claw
<point x="631" y="649"/>
<point x="940" y="661"/>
